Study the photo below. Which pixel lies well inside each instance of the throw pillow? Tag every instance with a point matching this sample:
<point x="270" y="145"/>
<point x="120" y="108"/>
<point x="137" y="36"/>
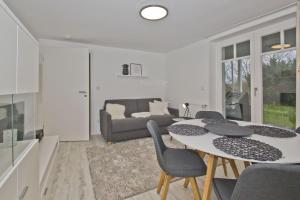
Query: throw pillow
<point x="164" y="106"/>
<point x="155" y="109"/>
<point x="116" y="111"/>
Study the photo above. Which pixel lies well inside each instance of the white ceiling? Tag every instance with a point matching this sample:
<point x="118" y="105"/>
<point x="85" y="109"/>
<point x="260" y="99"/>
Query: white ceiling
<point x="117" y="22"/>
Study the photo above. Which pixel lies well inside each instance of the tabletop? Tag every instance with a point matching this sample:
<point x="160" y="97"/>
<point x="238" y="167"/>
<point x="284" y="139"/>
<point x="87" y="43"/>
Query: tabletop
<point x="290" y="147"/>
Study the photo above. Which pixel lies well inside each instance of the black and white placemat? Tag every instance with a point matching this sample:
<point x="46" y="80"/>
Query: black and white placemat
<point x="218" y="121"/>
<point x="247" y="148"/>
<point x="187" y="130"/>
<point x="272" y="131"/>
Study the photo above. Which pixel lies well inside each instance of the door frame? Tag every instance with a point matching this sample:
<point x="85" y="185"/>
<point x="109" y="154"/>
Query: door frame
<point x="42" y="104"/>
<point x="274" y="28"/>
<point x="255" y="67"/>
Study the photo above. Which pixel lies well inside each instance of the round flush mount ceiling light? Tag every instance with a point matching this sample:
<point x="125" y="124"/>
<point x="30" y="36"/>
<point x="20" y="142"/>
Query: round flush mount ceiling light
<point x="281" y="46"/>
<point x="154" y="12"/>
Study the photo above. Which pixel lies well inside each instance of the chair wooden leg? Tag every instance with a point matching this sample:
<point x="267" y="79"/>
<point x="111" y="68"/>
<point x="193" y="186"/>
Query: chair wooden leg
<point x="201" y="154"/>
<point x="195" y="189"/>
<point x="234" y="168"/>
<point x="224" y="166"/>
<point x="186" y="183"/>
<point x="210" y="174"/>
<point x="247" y="164"/>
<point x="166" y="187"/>
<point x="161" y="182"/>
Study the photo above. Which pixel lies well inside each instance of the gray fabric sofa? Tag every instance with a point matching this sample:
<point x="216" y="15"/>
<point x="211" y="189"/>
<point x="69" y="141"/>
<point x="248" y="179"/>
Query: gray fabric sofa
<point x="132" y="128"/>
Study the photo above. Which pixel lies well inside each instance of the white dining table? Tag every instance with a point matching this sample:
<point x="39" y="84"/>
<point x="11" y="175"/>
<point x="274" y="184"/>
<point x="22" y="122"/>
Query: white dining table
<point x="290" y="148"/>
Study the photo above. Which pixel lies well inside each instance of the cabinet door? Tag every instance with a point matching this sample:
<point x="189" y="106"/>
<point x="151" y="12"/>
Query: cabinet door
<point x="8" y="53"/>
<point x="28" y="176"/>
<point x="28" y="64"/>
<point x="10" y="188"/>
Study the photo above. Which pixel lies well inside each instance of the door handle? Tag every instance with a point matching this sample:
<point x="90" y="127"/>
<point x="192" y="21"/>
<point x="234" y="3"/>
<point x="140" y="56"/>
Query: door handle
<point x="255" y="91"/>
<point x="82" y="92"/>
<point x="24" y="192"/>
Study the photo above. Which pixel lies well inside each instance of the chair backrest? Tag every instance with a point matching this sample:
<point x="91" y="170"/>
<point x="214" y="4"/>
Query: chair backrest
<point x="209" y="115"/>
<point x="160" y="146"/>
<point x="268" y="182"/>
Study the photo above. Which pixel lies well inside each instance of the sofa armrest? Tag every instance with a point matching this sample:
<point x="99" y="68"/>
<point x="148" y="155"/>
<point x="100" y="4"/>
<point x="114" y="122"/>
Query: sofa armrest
<point x="174" y="111"/>
<point x="105" y="125"/>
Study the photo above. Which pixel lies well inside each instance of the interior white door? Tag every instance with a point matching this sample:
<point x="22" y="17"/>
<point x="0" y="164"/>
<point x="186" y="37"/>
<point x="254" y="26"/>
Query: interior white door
<point x="65" y="92"/>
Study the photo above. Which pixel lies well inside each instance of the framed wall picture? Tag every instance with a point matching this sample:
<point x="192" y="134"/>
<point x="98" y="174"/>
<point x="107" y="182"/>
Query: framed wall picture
<point x="136" y="69"/>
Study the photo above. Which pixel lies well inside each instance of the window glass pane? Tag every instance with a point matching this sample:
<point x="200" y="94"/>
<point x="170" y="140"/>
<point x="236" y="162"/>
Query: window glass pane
<point x="237" y="89"/>
<point x="227" y="71"/>
<point x="23" y="120"/>
<point x="227" y="52"/>
<point x="279" y="89"/>
<point x="243" y="49"/>
<point x="290" y="37"/>
<point x="270" y="40"/>
<point x="6" y="135"/>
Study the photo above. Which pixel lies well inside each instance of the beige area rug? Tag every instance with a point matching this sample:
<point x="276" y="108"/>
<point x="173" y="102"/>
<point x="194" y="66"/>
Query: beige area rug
<point x="125" y="169"/>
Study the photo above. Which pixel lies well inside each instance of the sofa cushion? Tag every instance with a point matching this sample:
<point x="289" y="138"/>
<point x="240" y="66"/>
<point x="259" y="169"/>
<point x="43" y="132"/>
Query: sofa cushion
<point x="143" y="104"/>
<point x="116" y="110"/>
<point x="128" y="124"/>
<point x="156" y="109"/>
<point x="130" y="105"/>
<point x="164" y="106"/>
<point x="121" y="125"/>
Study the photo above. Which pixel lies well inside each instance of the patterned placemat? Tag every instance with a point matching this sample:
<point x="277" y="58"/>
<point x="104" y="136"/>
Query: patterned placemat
<point x="187" y="130"/>
<point x="272" y="131"/>
<point x="218" y="121"/>
<point x="247" y="148"/>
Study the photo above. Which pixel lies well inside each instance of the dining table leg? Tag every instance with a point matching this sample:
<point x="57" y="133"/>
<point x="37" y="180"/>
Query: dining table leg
<point x="210" y="174"/>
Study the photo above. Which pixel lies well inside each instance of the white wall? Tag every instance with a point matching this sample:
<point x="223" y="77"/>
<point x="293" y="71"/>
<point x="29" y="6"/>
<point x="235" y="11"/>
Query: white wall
<point x="188" y="72"/>
<point x="106" y="65"/>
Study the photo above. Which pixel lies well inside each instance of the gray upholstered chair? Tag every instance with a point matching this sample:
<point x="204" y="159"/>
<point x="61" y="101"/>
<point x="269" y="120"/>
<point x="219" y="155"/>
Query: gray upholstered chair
<point x="182" y="163"/>
<point x="209" y="115"/>
<point x="218" y="116"/>
<point x="261" y="182"/>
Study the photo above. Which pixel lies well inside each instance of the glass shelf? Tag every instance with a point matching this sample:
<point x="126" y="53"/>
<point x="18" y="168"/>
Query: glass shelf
<point x="17" y="127"/>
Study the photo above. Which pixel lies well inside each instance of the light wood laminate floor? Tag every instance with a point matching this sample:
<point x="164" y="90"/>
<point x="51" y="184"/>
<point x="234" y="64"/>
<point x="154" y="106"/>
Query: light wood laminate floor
<point x="70" y="177"/>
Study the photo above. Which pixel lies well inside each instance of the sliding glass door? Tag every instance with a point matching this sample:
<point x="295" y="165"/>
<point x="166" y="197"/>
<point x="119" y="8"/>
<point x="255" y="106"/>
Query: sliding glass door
<point x="279" y="78"/>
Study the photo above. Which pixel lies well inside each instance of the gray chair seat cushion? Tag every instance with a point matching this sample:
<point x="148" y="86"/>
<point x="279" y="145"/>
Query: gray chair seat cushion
<point x="129" y="124"/>
<point x="183" y="163"/>
<point x="224" y="188"/>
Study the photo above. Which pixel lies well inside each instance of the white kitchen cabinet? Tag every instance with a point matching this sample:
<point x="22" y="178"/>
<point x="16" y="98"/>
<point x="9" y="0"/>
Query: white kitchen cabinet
<point x="28" y="64"/>
<point x="8" y="53"/>
<point x="22" y="180"/>
<point x="28" y="176"/>
<point x="19" y="56"/>
<point x="9" y="190"/>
